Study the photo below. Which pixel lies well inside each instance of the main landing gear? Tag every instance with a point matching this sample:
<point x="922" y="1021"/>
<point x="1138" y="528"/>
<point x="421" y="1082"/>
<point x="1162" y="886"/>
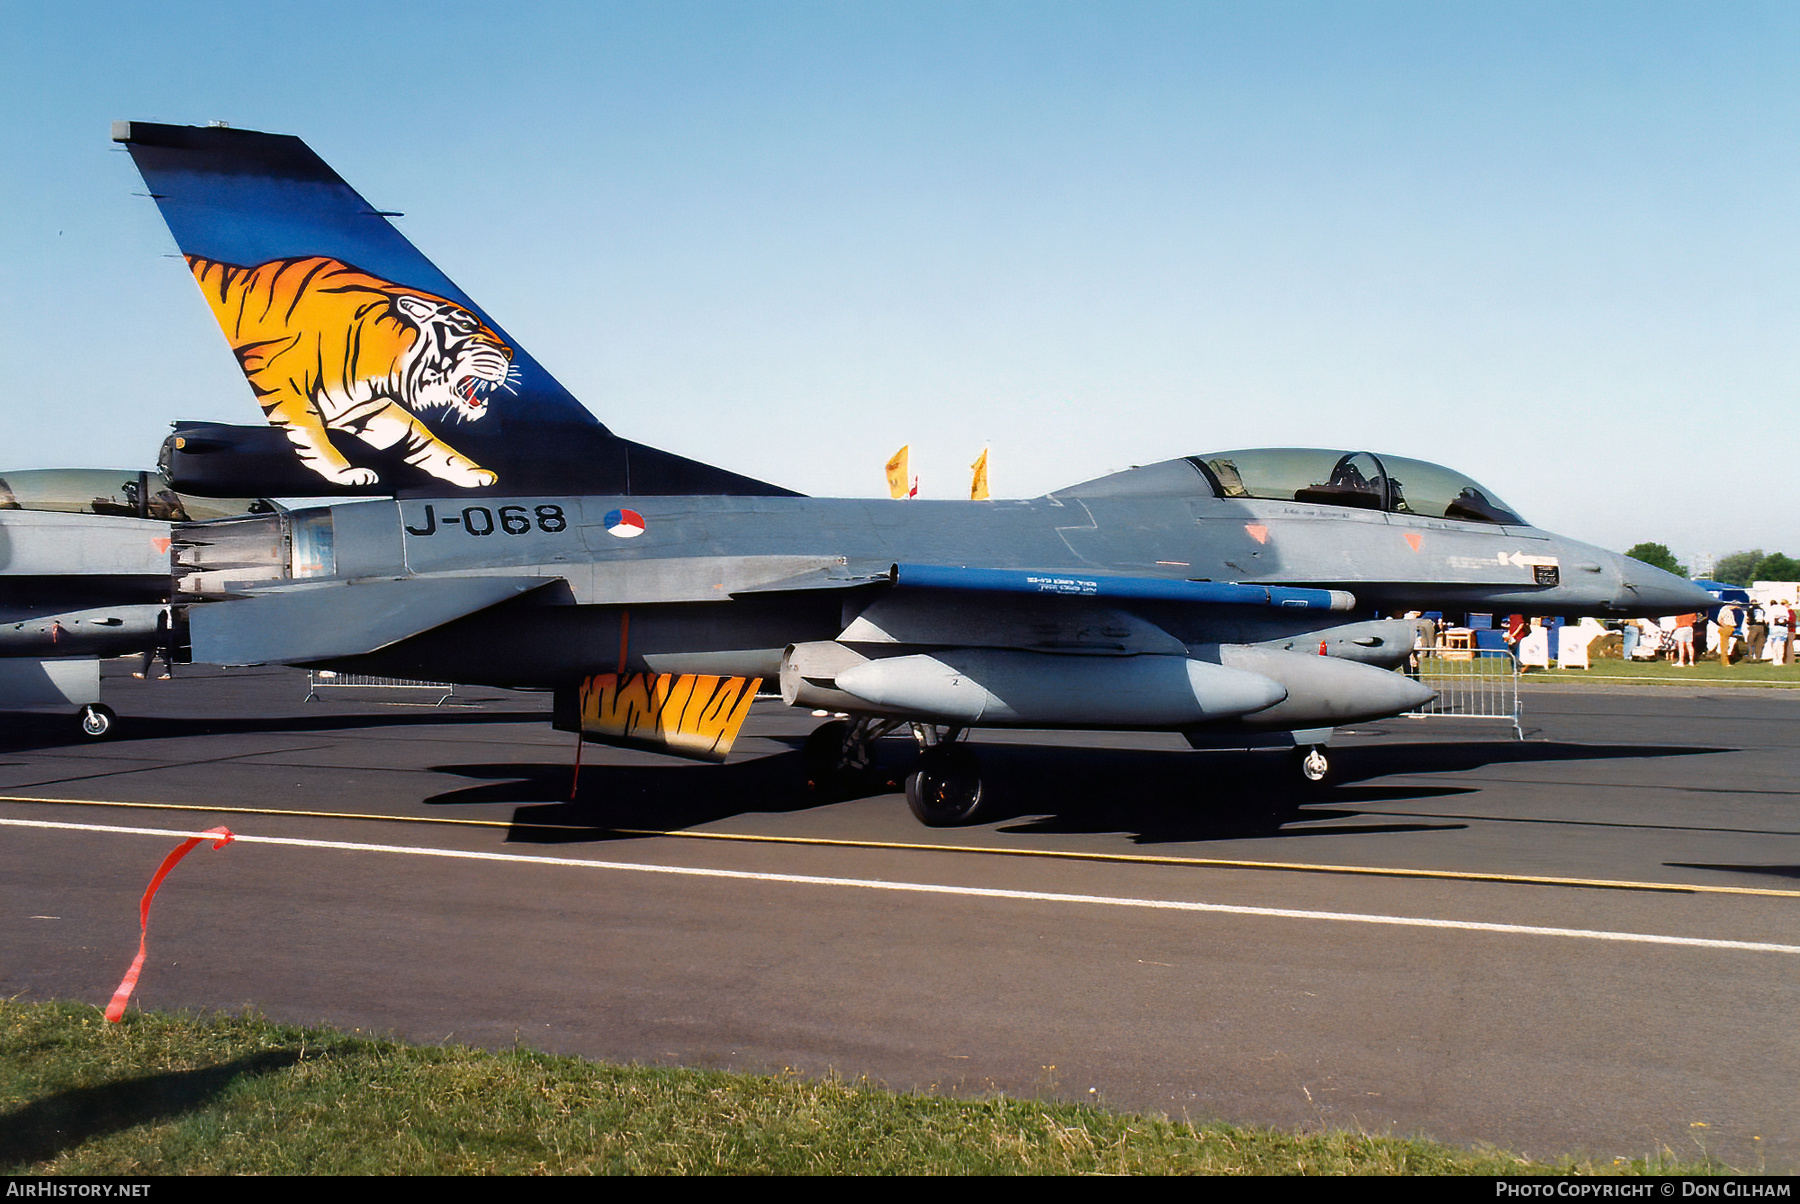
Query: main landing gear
<point x="840" y="756"/>
<point x="943" y="790"/>
<point x="946" y="789"/>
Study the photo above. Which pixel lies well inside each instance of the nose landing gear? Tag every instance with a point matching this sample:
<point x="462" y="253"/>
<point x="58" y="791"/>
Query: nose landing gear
<point x="1313" y="764"/>
<point x="96" y="720"/>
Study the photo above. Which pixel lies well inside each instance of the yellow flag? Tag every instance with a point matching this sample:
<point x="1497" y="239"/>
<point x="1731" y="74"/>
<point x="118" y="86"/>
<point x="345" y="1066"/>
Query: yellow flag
<point x="896" y="474"/>
<point x="978" y="485"/>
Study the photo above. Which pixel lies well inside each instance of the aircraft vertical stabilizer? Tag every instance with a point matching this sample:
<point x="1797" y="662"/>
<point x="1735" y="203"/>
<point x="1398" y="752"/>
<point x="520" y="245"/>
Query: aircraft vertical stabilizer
<point x="375" y="372"/>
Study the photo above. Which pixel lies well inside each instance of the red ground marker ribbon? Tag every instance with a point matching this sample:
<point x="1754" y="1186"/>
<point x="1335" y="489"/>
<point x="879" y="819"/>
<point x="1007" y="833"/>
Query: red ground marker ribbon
<point x="221" y="837"/>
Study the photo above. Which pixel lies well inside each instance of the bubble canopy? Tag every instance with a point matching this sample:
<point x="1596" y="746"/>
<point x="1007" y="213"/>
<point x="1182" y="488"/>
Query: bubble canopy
<point x="1362" y="480"/>
<point x="122" y="493"/>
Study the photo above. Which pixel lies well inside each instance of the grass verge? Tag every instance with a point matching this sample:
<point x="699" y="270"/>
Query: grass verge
<point x="1749" y="674"/>
<point x="236" y="1095"/>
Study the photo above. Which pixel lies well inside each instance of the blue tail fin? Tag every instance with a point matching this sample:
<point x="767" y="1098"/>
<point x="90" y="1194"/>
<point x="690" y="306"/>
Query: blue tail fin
<point x="375" y="372"/>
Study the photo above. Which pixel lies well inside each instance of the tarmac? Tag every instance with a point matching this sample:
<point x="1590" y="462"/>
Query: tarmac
<point x="1583" y="942"/>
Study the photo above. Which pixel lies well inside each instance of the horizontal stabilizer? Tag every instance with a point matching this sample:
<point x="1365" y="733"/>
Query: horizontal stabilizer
<point x="294" y="625"/>
<point x="687" y="715"/>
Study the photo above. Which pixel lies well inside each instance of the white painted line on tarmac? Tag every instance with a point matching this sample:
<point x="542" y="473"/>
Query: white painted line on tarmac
<point x="928" y="888"/>
<point x="1221" y="863"/>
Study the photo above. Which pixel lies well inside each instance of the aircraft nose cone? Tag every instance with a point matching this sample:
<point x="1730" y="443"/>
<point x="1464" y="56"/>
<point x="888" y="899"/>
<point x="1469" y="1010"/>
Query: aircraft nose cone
<point x="1390" y="693"/>
<point x="1649" y="591"/>
<point x="1410" y="695"/>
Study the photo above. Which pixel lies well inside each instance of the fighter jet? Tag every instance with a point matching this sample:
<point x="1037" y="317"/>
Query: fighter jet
<point x="84" y="575"/>
<point x="1234" y="597"/>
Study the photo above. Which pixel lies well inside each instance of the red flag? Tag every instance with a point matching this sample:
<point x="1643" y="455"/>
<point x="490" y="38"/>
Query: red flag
<point x="115" y="1010"/>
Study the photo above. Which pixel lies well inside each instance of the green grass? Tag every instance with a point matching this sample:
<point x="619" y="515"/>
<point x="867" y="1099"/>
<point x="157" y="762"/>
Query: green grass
<point x="224" y="1095"/>
<point x="1709" y="672"/>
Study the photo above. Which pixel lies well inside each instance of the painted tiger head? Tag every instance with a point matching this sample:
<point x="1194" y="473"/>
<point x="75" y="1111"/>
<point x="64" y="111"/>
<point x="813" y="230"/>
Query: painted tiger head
<point x="328" y="348"/>
<point x="455" y="362"/>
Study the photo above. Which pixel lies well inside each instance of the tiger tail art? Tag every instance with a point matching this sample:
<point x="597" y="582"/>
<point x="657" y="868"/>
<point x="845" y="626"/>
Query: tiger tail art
<point x="328" y="347"/>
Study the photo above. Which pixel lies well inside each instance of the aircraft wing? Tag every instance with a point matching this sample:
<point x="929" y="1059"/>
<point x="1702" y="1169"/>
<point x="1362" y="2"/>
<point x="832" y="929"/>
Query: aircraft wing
<point x="301" y="623"/>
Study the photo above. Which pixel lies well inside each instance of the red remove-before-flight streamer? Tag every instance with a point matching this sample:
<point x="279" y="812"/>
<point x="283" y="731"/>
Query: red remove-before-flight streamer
<point x="220" y="838"/>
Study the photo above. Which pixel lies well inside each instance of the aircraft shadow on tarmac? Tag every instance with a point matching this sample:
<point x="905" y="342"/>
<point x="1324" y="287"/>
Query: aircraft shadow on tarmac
<point x="45" y="1128"/>
<point x="1773" y="871"/>
<point x="32" y="731"/>
<point x="1157" y="796"/>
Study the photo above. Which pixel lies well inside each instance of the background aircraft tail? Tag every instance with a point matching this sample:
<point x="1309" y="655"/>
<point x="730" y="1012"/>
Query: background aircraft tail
<point x="376" y="374"/>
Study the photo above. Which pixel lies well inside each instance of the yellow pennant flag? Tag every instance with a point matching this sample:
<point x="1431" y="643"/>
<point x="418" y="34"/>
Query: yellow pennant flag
<point x="896" y="474"/>
<point x="978" y="485"/>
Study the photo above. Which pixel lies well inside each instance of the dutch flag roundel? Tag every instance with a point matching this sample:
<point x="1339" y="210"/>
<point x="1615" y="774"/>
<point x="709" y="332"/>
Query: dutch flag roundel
<point x="626" y="524"/>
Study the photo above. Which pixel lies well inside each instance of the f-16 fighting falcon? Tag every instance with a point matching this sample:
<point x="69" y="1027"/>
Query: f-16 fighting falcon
<point x="1232" y="596"/>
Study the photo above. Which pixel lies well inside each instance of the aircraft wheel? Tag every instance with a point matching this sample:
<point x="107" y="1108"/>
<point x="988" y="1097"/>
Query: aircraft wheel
<point x="1314" y="765"/>
<point x="826" y="764"/>
<point x="946" y="790"/>
<point x="96" y="720"/>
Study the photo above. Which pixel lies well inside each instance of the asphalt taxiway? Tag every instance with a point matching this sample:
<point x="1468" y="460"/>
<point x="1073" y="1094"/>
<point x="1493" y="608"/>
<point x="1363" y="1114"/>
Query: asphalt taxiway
<point x="1586" y="941"/>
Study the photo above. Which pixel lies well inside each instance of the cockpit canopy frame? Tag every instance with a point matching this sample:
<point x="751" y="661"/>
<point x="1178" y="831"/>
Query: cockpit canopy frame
<point x="118" y="493"/>
<point x="1357" y="480"/>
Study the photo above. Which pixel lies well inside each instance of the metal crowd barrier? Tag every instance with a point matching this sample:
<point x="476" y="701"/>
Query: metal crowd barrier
<point x="319" y="681"/>
<point x="1474" y="683"/>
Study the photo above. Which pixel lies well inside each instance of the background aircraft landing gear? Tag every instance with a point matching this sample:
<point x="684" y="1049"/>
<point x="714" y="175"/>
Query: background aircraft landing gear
<point x="96" y="720"/>
<point x="946" y="789"/>
<point x="1313" y="764"/>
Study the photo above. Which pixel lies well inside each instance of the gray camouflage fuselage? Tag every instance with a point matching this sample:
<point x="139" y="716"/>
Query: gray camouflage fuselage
<point x="539" y="591"/>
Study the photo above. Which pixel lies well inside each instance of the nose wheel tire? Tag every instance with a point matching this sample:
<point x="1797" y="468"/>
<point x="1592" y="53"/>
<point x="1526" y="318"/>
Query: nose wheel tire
<point x="96" y="720"/>
<point x="946" y="789"/>
<point x="1314" y="765"/>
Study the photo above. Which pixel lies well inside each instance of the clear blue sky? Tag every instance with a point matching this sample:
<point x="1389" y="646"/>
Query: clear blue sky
<point x="1553" y="245"/>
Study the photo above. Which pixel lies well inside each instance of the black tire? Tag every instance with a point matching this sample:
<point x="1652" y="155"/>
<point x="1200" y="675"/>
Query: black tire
<point x="946" y="790"/>
<point x="96" y="720"/>
<point x="822" y="757"/>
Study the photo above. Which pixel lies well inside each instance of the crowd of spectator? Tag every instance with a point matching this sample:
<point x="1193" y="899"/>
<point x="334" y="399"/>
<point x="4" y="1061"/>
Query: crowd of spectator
<point x="1733" y="632"/>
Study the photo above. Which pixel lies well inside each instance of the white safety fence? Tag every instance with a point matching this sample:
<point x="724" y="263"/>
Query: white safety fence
<point x="1472" y="683"/>
<point x="321" y="683"/>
